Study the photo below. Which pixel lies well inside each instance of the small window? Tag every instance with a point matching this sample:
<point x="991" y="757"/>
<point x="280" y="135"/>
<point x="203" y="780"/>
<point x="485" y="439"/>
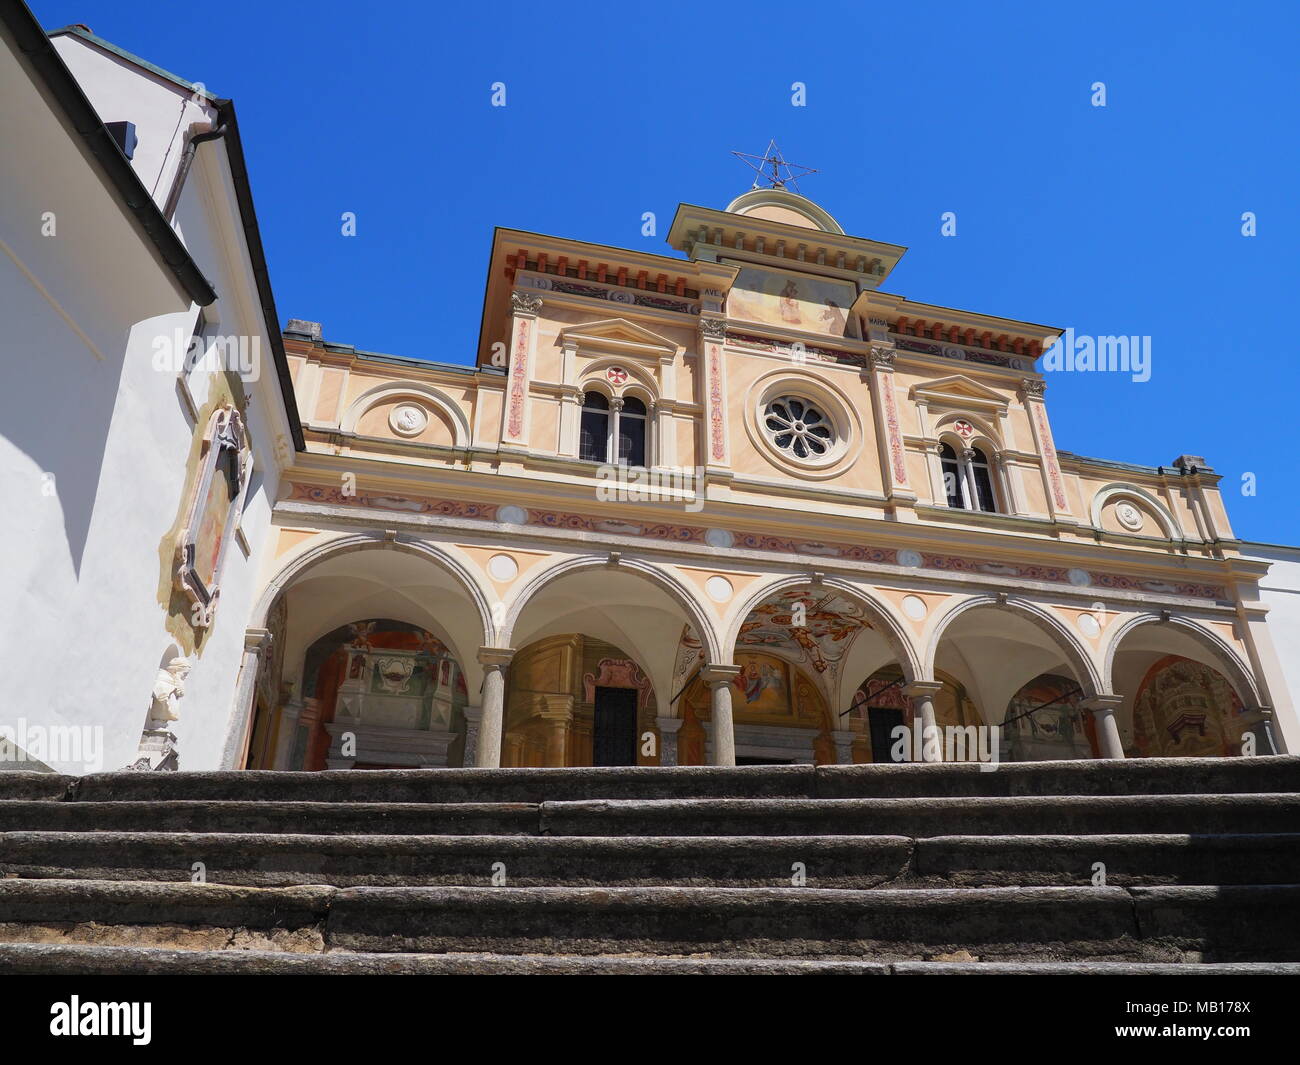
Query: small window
<point x="593" y="436"/>
<point x="967" y="479"/>
<point x="952" y="478"/>
<point x="983" y="494"/>
<point x="631" y="432"/>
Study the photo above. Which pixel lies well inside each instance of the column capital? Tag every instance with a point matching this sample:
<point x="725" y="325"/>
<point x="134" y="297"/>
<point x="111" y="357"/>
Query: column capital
<point x="1102" y="702"/>
<point x="881" y="357"/>
<point x="923" y="688"/>
<point x="713" y="328"/>
<point x="1033" y="387"/>
<point x="525" y="302"/>
<point x="714" y="674"/>
<point x="495" y="657"/>
<point x="669" y="724"/>
<point x="258" y="640"/>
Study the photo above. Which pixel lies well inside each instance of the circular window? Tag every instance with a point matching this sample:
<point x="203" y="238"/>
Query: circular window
<point x="798" y="428"/>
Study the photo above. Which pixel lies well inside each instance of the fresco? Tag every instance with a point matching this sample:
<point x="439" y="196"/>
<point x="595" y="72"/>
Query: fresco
<point x="1061" y="729"/>
<point x="830" y="624"/>
<point x="394" y="674"/>
<point x="792" y="301"/>
<point x="1185" y="710"/>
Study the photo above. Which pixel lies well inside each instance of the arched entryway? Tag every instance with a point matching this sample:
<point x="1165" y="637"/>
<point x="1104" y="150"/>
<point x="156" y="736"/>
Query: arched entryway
<point x="592" y="646"/>
<point x="577" y="700"/>
<point x="373" y="659"/>
<point x="1185" y="693"/>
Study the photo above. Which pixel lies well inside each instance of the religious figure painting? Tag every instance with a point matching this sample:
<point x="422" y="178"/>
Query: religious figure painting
<point x="795" y="301"/>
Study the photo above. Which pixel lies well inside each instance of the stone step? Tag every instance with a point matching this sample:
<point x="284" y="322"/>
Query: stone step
<point x="255" y="817"/>
<point x="287" y="859"/>
<point x="1070" y="815"/>
<point x="23" y="959"/>
<point x="1021" y="815"/>
<point x="1246" y="923"/>
<point x="1081" y="777"/>
<point x="264" y="860"/>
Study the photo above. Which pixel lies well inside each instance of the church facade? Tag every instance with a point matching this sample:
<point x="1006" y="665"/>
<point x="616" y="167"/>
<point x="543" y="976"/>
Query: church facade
<point x="743" y="505"/>
<point x="738" y="504"/>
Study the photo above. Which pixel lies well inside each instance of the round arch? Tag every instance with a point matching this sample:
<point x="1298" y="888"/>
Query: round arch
<point x="1089" y="677"/>
<point x="893" y="632"/>
<point x="301" y="565"/>
<point x="395" y="390"/>
<point x="1120" y="490"/>
<point x="667" y="583"/>
<point x="1237" y="672"/>
<point x="984" y="430"/>
<point x="639" y="380"/>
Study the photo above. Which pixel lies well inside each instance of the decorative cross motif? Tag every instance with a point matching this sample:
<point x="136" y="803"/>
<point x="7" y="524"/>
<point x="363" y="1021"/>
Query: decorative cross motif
<point x="616" y="375"/>
<point x="964" y="429"/>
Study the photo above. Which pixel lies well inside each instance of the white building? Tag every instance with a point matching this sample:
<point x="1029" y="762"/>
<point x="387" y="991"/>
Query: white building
<point x="111" y="264"/>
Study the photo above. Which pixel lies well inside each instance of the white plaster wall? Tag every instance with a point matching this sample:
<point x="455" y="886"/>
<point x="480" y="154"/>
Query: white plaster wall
<point x="82" y="615"/>
<point x="1280" y="591"/>
<point x="122" y="92"/>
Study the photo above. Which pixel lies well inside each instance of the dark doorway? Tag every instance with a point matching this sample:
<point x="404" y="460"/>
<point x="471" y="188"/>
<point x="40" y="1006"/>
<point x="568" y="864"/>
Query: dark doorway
<point x="883" y="720"/>
<point x="742" y="759"/>
<point x="613" y="737"/>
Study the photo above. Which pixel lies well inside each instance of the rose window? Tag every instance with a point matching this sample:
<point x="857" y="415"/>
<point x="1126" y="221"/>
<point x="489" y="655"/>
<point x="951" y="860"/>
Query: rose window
<point x="795" y="426"/>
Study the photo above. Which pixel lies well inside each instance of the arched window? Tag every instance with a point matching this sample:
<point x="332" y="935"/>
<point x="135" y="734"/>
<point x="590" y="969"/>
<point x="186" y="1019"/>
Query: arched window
<point x="593" y="436"/>
<point x="612" y="432"/>
<point x="967" y="479"/>
<point x="631" y="432"/>
<point x="983" y="493"/>
<point x="952" y="479"/>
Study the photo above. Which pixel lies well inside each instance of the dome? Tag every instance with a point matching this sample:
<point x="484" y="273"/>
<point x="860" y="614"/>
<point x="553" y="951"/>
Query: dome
<point x="781" y="205"/>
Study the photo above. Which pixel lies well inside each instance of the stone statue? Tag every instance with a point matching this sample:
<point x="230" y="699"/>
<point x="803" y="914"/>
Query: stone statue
<point x="168" y="689"/>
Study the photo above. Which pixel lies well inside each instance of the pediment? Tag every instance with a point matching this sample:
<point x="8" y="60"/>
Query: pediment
<point x="618" y="335"/>
<point x="958" y="391"/>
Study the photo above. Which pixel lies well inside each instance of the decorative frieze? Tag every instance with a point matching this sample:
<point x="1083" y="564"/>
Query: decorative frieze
<point x="672" y="532"/>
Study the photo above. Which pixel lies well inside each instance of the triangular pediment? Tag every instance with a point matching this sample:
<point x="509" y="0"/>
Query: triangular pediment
<point x="958" y="390"/>
<point x="617" y="334"/>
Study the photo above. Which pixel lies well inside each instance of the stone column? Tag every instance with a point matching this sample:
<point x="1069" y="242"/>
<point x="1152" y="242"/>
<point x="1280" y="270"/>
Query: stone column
<point x="492" y="723"/>
<point x="473" y="717"/>
<point x="844" y="745"/>
<point x="668" y="729"/>
<point x="1103" y="709"/>
<point x="718" y="678"/>
<point x="257" y="642"/>
<point x="922" y="693"/>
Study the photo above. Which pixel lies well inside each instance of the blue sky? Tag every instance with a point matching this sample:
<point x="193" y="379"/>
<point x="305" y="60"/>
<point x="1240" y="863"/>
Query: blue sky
<point x="1123" y="219"/>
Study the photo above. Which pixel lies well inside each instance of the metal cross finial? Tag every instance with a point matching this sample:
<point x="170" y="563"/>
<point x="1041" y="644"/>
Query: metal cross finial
<point x="773" y="158"/>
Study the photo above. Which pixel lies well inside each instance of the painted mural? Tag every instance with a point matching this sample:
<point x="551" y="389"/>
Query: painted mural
<point x="387" y="673"/>
<point x="792" y="301"/>
<point x="767" y="691"/>
<point x="880" y="702"/>
<point x="830" y="624"/>
<point x="1186" y="710"/>
<point x="1059" y="728"/>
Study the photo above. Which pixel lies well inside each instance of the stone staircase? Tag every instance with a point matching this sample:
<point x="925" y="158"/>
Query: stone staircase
<point x="792" y="869"/>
